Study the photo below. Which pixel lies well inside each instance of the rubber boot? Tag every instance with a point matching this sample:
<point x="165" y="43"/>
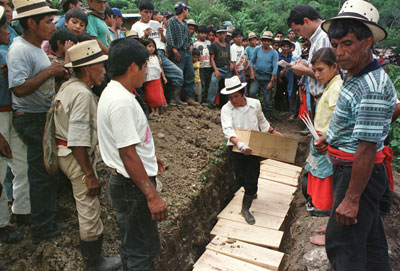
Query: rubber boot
<point x="246" y="204"/>
<point x="176" y="96"/>
<point x="94" y="261"/>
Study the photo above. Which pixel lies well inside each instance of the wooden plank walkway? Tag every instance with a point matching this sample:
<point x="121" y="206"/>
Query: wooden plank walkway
<point x="237" y="245"/>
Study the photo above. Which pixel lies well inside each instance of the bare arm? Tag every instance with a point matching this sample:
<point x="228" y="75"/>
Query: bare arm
<point x="102" y="46"/>
<point x="134" y="166"/>
<point x="92" y="183"/>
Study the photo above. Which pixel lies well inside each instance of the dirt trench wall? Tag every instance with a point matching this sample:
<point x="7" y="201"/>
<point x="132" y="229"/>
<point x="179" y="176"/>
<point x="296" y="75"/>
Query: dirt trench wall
<point x="183" y="244"/>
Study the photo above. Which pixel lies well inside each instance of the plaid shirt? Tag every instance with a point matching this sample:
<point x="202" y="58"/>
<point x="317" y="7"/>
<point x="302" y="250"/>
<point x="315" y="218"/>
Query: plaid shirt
<point x="363" y="110"/>
<point x="178" y="34"/>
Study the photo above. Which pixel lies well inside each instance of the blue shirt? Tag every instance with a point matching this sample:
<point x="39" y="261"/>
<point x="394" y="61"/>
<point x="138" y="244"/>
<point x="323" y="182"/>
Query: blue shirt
<point x="363" y="110"/>
<point x="61" y="22"/>
<point x="249" y="52"/>
<point x="288" y="59"/>
<point x="265" y="62"/>
<point x="13" y="34"/>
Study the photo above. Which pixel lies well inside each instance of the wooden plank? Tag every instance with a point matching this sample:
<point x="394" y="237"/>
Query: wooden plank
<point x="263" y="206"/>
<point x="269" y="146"/>
<point x="214" y="261"/>
<point x="275" y="187"/>
<point x="267" y="196"/>
<point x="280" y="171"/>
<point x="252" y="234"/>
<point x="278" y="178"/>
<point x="281" y="165"/>
<point x="257" y="255"/>
<point x="232" y="212"/>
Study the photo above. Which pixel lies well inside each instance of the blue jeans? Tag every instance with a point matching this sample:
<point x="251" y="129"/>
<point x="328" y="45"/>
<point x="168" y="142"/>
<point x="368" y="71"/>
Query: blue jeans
<point x="267" y="95"/>
<point x="243" y="80"/>
<point x="186" y="65"/>
<point x="173" y="73"/>
<point x="213" y="88"/>
<point x="43" y="187"/>
<point x="140" y="242"/>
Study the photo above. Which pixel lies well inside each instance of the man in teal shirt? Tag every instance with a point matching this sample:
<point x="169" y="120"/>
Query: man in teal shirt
<point x="96" y="26"/>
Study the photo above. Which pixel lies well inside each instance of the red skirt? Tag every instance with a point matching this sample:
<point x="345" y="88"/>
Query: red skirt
<point x="154" y="93"/>
<point x="321" y="191"/>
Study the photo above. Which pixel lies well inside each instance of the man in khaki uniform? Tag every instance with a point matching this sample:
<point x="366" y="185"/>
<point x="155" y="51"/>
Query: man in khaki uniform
<point x="76" y="133"/>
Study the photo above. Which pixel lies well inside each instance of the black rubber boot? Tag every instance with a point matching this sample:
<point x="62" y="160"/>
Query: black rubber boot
<point x="94" y="261"/>
<point x="246" y="204"/>
<point x="176" y="96"/>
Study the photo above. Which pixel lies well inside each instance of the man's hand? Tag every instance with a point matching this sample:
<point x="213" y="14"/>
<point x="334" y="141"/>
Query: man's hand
<point x="244" y="149"/>
<point x="320" y="145"/>
<point x="346" y="212"/>
<point x="68" y="44"/>
<point x="300" y="68"/>
<point x="93" y="186"/>
<point x="252" y="77"/>
<point x="147" y="32"/>
<point x="5" y="149"/>
<point x="269" y="86"/>
<point x="157" y="207"/>
<point x="176" y="54"/>
<point x="160" y="31"/>
<point x="4" y="69"/>
<point x="57" y="70"/>
<point x="161" y="165"/>
<point x="217" y="74"/>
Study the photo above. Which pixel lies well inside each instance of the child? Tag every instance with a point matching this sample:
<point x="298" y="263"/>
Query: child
<point x="276" y="45"/>
<point x="153" y="89"/>
<point x="320" y="170"/>
<point x="245" y="42"/>
<point x="212" y="35"/>
<point x="203" y="45"/>
<point x="76" y="20"/>
<point x="197" y="81"/>
<point x="237" y="55"/>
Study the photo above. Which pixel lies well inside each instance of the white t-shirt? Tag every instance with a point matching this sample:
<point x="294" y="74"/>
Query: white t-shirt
<point x="202" y="46"/>
<point x="140" y="27"/>
<point x="153" y="69"/>
<point x="121" y="122"/>
<point x="237" y="56"/>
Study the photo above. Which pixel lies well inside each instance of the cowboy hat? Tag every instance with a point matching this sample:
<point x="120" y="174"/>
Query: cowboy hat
<point x="28" y="8"/>
<point x="191" y="22"/>
<point x="232" y="85"/>
<point x="267" y="35"/>
<point x="85" y="53"/>
<point x="361" y="11"/>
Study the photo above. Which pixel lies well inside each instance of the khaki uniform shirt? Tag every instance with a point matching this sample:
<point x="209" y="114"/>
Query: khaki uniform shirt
<point x="75" y="116"/>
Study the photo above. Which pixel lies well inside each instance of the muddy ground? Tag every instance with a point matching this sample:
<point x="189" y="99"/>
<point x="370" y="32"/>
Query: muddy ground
<point x="196" y="187"/>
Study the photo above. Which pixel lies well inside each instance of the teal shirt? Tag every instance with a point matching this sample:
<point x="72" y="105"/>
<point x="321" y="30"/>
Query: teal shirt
<point x="96" y="27"/>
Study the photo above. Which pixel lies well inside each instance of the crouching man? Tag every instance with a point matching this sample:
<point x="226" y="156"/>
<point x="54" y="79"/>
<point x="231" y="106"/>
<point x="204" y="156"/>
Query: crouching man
<point x="127" y="146"/>
<point x="76" y="133"/>
<point x="244" y="113"/>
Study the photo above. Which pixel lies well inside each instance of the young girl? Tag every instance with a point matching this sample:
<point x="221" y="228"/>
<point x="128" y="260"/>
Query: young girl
<point x="319" y="169"/>
<point x="153" y="89"/>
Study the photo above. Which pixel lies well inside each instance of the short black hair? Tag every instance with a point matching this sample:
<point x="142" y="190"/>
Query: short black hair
<point x="84" y="37"/>
<point x="237" y="32"/>
<point x="340" y="28"/>
<point x="147" y="42"/>
<point x="203" y="29"/>
<point x="278" y="32"/>
<point x="123" y="52"/>
<point x="62" y="34"/>
<point x="298" y="14"/>
<point x="212" y="30"/>
<point x="76" y="13"/>
<point x="65" y="4"/>
<point x="195" y="52"/>
<point x="109" y="12"/>
<point x="245" y="38"/>
<point x="37" y="18"/>
<point x="145" y="4"/>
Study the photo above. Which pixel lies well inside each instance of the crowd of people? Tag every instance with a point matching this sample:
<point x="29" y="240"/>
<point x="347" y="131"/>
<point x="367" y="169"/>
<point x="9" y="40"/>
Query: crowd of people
<point x="52" y="76"/>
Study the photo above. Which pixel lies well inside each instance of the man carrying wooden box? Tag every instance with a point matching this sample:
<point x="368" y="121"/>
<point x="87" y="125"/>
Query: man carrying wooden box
<point x="243" y="113"/>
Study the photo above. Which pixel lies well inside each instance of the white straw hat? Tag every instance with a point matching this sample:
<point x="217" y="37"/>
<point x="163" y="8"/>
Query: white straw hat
<point x="361" y="11"/>
<point x="232" y="85"/>
<point x="1" y="12"/>
<point x="28" y="8"/>
<point x="85" y="53"/>
<point x="267" y="35"/>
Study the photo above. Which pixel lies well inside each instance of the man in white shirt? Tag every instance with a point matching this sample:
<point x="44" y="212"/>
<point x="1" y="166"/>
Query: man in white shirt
<point x="127" y="146"/>
<point x="150" y="29"/>
<point x="297" y="47"/>
<point x="244" y="113"/>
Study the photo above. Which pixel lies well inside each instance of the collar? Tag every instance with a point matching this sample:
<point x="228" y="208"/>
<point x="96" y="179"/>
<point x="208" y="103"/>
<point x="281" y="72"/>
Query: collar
<point x="374" y="65"/>
<point x="94" y="13"/>
<point x="333" y="80"/>
<point x="248" y="103"/>
<point x="314" y="36"/>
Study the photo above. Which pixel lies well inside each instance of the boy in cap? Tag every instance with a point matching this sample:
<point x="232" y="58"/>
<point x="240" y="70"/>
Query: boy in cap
<point x="115" y="28"/>
<point x="192" y="27"/>
<point x="243" y="113"/>
<point x="355" y="237"/>
<point x="76" y="133"/>
<point x="31" y="79"/>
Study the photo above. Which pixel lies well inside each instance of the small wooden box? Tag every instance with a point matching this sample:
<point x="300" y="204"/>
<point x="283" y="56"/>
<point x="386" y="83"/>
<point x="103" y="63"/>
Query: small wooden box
<point x="268" y="146"/>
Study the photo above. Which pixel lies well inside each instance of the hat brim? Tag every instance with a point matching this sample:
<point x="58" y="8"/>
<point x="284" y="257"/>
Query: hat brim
<point x="221" y="30"/>
<point x="252" y="37"/>
<point x="227" y="92"/>
<point x="38" y="11"/>
<point x="378" y="32"/>
<point x="265" y="38"/>
<point x="94" y="61"/>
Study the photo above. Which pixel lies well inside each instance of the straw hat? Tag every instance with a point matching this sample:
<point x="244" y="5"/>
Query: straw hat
<point x="232" y="85"/>
<point x="1" y="12"/>
<point x="252" y="35"/>
<point x="191" y="22"/>
<point x="131" y="33"/>
<point x="85" y="53"/>
<point x="361" y="11"/>
<point x="28" y="8"/>
<point x="267" y="35"/>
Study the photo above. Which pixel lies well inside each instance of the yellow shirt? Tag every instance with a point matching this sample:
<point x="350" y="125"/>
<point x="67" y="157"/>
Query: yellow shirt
<point x="326" y="104"/>
<point x="196" y="67"/>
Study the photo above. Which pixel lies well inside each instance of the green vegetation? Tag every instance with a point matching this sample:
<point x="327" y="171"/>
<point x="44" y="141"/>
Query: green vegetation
<point x="394" y="73"/>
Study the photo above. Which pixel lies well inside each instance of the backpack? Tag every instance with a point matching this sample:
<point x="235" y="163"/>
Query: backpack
<point x="49" y="142"/>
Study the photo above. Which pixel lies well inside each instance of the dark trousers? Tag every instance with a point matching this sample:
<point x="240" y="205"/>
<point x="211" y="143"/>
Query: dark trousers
<point x="362" y="246"/>
<point x="186" y="65"/>
<point x="247" y="170"/>
<point x="140" y="242"/>
<point x="205" y="77"/>
<point x="42" y="186"/>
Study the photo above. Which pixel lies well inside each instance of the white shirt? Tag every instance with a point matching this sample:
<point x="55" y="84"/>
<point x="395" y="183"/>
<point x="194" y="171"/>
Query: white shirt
<point x="318" y="40"/>
<point x="249" y="117"/>
<point x="140" y="27"/>
<point x="237" y="56"/>
<point x="153" y="69"/>
<point x="297" y="50"/>
<point x="121" y="122"/>
<point x="204" y="53"/>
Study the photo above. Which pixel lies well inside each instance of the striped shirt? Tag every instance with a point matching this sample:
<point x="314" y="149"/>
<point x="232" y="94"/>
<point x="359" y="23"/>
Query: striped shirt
<point x="364" y="110"/>
<point x="318" y="40"/>
<point x="178" y="34"/>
